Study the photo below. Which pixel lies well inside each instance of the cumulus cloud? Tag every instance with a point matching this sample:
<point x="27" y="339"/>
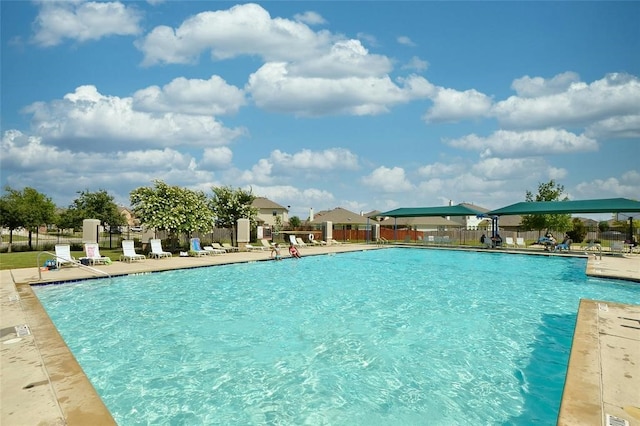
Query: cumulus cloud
<point x="329" y="159"/>
<point x="300" y="199"/>
<point x="59" y="20"/>
<point x="405" y="41"/>
<point x="345" y="58"/>
<point x="388" y="180"/>
<point x="451" y="105"/>
<point x="507" y="143"/>
<point x="217" y="158"/>
<point x="533" y="87"/>
<point x="310" y="18"/>
<point x="625" y="186"/>
<point x="272" y="88"/>
<point x="580" y="104"/>
<point x="86" y="116"/>
<point x="191" y="96"/>
<point x="245" y="29"/>
<point x="416" y="64"/>
<point x="441" y="169"/>
<point x="620" y="127"/>
<point x="22" y="157"/>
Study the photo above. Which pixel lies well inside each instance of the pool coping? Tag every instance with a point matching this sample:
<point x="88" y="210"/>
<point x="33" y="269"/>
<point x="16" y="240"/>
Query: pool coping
<point x="47" y="386"/>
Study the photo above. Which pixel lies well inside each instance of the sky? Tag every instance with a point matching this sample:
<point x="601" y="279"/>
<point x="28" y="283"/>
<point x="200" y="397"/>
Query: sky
<point x="355" y="104"/>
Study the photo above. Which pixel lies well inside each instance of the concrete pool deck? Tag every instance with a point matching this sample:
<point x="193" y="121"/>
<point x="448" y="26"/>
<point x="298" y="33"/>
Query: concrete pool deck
<point x="41" y="383"/>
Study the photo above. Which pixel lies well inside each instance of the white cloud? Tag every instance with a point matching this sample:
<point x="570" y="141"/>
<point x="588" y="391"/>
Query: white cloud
<point x="300" y="199"/>
<point x="416" y="64"/>
<point x="59" y="20"/>
<point x="625" y="186"/>
<point x="533" y="87"/>
<point x="345" y="58"/>
<point x="88" y="116"/>
<point x="405" y="41"/>
<point x="245" y="29"/>
<point x="436" y="170"/>
<point x="580" y="104"/>
<point x="310" y="18"/>
<point x="506" y="143"/>
<point x="452" y="105"/>
<point x="620" y="127"/>
<point x="273" y="89"/>
<point x="22" y="158"/>
<point x="191" y="96"/>
<point x="508" y="168"/>
<point x="260" y="174"/>
<point x="329" y="159"/>
<point x="388" y="180"/>
<point x="218" y="158"/>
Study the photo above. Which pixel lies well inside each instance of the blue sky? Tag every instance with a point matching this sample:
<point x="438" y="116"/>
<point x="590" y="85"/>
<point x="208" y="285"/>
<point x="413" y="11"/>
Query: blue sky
<point x="360" y="105"/>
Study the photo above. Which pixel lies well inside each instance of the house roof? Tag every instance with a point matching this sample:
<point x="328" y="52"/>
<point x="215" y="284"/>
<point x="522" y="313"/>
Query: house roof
<point x="457" y="210"/>
<point x="339" y="216"/>
<point x="609" y="205"/>
<point x="265" y="203"/>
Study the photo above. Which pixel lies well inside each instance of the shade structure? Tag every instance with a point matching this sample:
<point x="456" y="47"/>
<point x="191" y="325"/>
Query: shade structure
<point x="607" y="205"/>
<point x="457" y="210"/>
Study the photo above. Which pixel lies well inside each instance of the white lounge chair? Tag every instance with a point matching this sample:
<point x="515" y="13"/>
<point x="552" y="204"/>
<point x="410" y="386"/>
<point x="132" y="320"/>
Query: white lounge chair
<point x="194" y="248"/>
<point x="92" y="253"/>
<point x="292" y="240"/>
<point x="266" y="243"/>
<point x="217" y="246"/>
<point x="229" y="247"/>
<point x="520" y="242"/>
<point x="63" y="256"/>
<point x="214" y="251"/>
<point x="250" y="247"/>
<point x="156" y="249"/>
<point x="617" y="247"/>
<point x="300" y="242"/>
<point x="508" y="241"/>
<point x="129" y="252"/>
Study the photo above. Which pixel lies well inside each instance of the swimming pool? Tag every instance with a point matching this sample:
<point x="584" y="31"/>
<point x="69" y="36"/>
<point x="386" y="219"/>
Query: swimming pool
<point x="394" y="336"/>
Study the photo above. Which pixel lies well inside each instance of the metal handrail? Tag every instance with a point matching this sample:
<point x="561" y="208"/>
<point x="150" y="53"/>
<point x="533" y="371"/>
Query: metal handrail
<point x="75" y="262"/>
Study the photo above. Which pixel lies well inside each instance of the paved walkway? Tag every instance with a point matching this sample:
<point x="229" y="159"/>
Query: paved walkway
<point x="41" y="382"/>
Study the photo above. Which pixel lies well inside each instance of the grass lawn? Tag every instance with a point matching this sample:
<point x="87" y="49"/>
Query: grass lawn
<point x="27" y="259"/>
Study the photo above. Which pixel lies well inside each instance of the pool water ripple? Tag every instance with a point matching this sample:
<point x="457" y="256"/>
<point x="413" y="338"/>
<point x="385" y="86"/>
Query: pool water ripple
<point x="398" y="336"/>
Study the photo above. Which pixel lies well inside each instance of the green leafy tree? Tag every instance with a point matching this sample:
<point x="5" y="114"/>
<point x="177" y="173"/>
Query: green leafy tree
<point x="295" y="222"/>
<point x="578" y="231"/>
<point x="603" y="226"/>
<point x="27" y="209"/>
<point x="172" y="208"/>
<point x="550" y="191"/>
<point x="94" y="205"/>
<point x="228" y="205"/>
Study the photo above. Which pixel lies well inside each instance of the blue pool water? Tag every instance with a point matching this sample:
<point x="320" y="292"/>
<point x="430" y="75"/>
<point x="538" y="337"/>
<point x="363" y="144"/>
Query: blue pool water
<point x="394" y="336"/>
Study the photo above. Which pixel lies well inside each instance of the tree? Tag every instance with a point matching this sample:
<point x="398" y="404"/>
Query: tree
<point x="28" y="209"/>
<point x="578" y="232"/>
<point x="96" y="205"/>
<point x="228" y="205"/>
<point x="550" y="191"/>
<point x="295" y="222"/>
<point x="171" y="208"/>
<point x="603" y="226"/>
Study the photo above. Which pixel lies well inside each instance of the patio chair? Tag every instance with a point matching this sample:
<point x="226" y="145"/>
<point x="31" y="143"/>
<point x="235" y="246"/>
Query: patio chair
<point x="300" y="242"/>
<point x="212" y="250"/>
<point x="196" y="249"/>
<point x="129" y="252"/>
<point x="92" y="254"/>
<point x="63" y="256"/>
<point x="156" y="249"/>
<point x="508" y="241"/>
<point x="266" y="243"/>
<point x="229" y="247"/>
<point x="217" y="246"/>
<point x="520" y="242"/>
<point x="250" y="247"/>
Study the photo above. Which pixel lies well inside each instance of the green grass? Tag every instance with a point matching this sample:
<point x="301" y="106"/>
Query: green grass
<point x="28" y="259"/>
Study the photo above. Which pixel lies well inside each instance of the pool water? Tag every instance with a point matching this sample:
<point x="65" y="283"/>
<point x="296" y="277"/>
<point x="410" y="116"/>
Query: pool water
<point x="393" y="336"/>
